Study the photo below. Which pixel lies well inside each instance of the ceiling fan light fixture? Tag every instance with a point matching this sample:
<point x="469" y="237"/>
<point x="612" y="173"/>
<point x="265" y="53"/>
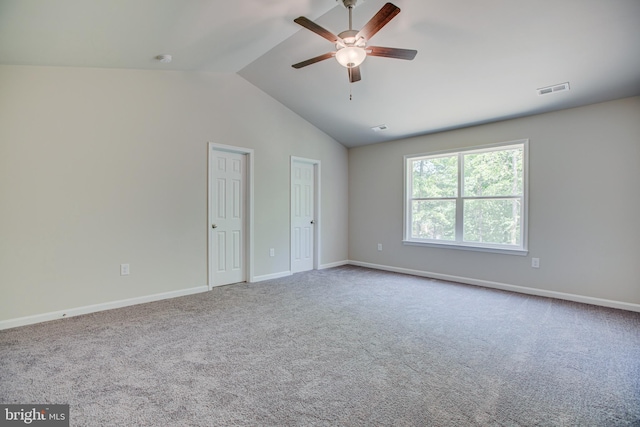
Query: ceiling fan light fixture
<point x="351" y="56"/>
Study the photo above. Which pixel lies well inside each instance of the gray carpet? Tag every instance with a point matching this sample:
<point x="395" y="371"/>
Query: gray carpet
<point x="346" y="346"/>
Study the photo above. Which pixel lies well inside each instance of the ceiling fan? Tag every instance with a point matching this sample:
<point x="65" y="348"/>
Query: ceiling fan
<point x="351" y="45"/>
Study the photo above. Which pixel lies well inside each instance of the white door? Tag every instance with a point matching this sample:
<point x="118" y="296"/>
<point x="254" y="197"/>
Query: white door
<point x="227" y="225"/>
<point x="302" y="216"/>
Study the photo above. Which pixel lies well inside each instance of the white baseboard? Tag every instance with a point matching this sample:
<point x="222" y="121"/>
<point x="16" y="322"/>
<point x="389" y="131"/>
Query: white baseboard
<point x="505" y="287"/>
<point x="289" y="273"/>
<point x="271" y="276"/>
<point x="334" y="264"/>
<point x="77" y="311"/>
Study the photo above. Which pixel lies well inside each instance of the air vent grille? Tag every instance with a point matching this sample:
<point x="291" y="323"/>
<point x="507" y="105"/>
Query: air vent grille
<point x="553" y="89"/>
<point x="380" y="128"/>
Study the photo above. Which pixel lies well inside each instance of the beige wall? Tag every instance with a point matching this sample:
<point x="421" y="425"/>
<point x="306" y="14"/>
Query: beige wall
<point x="100" y="167"/>
<point x="584" y="203"/>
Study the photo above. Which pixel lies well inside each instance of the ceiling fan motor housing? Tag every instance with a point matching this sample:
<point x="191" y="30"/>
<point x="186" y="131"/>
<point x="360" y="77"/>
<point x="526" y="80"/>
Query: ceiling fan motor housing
<point x="349" y="39"/>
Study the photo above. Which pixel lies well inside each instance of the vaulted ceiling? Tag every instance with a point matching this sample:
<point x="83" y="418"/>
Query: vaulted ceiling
<point x="477" y="61"/>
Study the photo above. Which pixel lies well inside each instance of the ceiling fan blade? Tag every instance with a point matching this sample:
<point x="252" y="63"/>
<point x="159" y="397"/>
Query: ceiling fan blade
<point x="354" y="74"/>
<point x="314" y="60"/>
<point x="392" y="52"/>
<point x="310" y="25"/>
<point x="380" y="19"/>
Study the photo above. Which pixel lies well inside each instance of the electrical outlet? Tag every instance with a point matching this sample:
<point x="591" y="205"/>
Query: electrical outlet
<point x="379" y="246"/>
<point x="535" y="262"/>
<point x="272" y="252"/>
<point x="124" y="269"/>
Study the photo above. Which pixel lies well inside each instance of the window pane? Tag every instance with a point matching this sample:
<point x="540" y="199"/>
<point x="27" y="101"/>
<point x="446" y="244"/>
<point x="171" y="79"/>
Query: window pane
<point x="492" y="221"/>
<point x="494" y="173"/>
<point x="435" y="177"/>
<point x="433" y="219"/>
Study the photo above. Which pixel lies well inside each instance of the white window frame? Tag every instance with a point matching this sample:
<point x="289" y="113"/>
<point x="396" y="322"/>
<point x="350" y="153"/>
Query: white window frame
<point x="459" y="243"/>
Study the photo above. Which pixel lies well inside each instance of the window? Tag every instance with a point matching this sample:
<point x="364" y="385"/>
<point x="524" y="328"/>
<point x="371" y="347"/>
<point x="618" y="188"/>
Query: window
<point x="470" y="199"/>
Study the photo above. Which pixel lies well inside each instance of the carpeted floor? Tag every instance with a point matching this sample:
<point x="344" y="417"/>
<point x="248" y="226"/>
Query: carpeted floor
<point x="346" y="346"/>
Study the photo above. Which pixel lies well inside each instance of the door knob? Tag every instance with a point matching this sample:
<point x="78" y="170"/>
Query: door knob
<point x="312" y="221"/>
<point x="214" y="226"/>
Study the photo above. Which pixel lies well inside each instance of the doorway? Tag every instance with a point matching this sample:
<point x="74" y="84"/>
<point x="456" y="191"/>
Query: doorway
<point x="305" y="214"/>
<point x="230" y="214"/>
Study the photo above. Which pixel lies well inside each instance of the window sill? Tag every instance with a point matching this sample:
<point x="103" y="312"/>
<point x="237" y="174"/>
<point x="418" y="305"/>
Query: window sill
<point x="520" y="252"/>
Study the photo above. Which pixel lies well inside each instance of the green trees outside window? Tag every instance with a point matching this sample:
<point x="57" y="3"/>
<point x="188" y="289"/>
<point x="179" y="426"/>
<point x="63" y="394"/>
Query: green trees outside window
<point x="474" y="197"/>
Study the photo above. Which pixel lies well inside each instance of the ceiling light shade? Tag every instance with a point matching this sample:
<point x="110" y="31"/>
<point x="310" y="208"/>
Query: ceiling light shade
<point x="351" y="56"/>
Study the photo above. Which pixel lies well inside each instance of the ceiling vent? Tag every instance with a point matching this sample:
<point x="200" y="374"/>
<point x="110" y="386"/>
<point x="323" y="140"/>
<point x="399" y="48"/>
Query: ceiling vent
<point x="165" y="59"/>
<point x="553" y="89"/>
<point x="379" y="128"/>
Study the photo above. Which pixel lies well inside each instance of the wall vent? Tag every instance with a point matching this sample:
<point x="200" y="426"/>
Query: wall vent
<point x="379" y="128"/>
<point x="553" y="89"/>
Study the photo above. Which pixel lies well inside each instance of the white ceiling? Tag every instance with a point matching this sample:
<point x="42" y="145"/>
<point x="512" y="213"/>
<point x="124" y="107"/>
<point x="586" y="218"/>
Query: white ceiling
<point x="477" y="61"/>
